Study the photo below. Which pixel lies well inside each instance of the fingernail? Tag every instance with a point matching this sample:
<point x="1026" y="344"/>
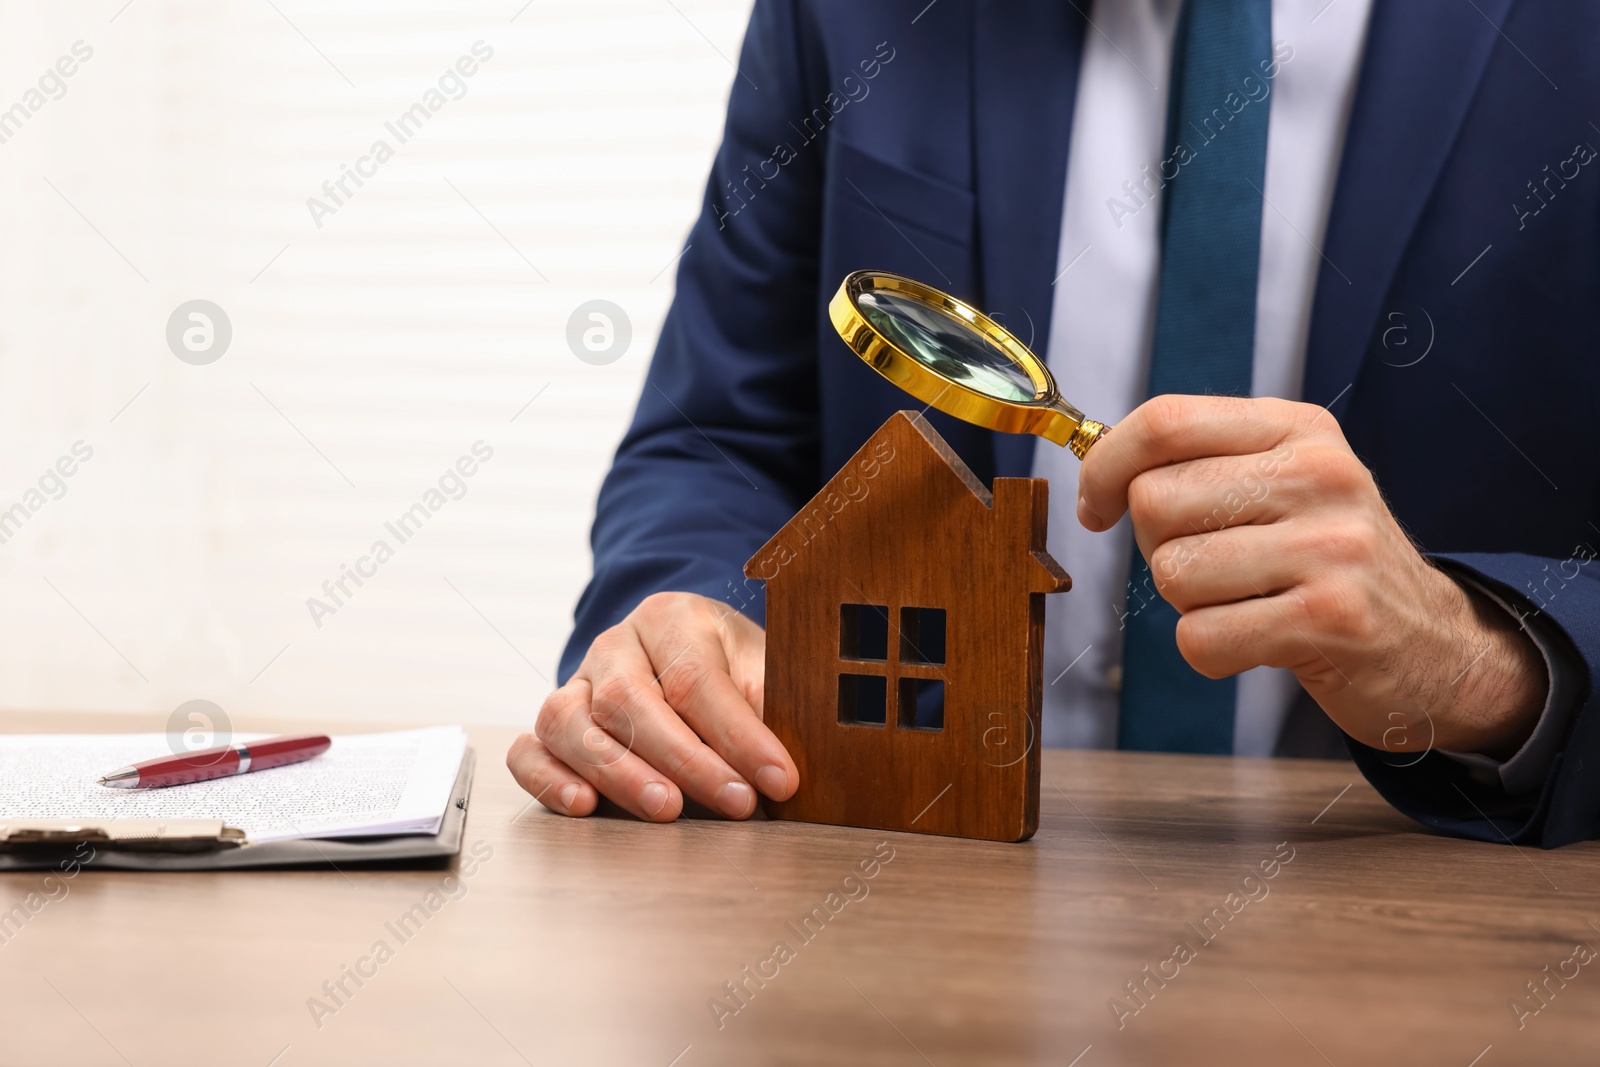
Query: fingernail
<point x="652" y="798"/>
<point x="735" y="800"/>
<point x="569" y="794"/>
<point x="1086" y="514"/>
<point x="771" y="780"/>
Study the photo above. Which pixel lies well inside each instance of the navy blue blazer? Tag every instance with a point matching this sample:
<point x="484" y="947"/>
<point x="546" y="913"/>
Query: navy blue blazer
<point x="1467" y="217"/>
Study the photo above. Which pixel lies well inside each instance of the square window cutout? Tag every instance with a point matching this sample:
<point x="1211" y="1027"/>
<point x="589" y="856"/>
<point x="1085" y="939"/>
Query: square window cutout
<point x="864" y="632"/>
<point x="922" y="635"/>
<point x="921" y="704"/>
<point x="863" y="699"/>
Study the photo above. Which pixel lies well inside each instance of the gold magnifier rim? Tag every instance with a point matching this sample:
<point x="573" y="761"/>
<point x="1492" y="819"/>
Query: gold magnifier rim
<point x="1046" y="415"/>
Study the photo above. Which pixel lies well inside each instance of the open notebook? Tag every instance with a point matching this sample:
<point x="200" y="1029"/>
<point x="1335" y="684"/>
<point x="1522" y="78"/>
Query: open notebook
<point x="365" y="785"/>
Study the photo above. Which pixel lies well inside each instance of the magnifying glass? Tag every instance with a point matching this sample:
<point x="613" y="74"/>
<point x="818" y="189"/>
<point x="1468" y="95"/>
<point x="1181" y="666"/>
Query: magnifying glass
<point x="955" y="358"/>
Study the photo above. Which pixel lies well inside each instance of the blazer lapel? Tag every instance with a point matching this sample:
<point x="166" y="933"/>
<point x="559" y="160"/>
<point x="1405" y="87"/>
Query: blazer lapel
<point x="1423" y="61"/>
<point x="1025" y="80"/>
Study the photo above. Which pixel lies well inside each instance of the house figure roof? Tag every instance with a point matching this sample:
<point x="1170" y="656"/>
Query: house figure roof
<point x="907" y="438"/>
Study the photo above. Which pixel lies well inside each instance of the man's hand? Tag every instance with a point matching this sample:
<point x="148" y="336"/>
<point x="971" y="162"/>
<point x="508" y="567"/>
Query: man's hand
<point x="667" y="703"/>
<point x="1271" y="539"/>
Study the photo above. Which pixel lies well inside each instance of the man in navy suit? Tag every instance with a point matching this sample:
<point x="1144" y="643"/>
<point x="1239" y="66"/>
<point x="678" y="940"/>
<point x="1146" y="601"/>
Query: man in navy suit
<point x="1345" y="299"/>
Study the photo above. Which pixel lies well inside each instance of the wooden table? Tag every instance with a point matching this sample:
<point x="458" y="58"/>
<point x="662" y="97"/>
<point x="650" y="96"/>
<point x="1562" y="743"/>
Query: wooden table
<point x="604" y="941"/>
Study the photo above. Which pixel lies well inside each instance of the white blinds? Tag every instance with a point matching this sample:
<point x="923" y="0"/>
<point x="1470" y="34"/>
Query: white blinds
<point x="369" y="355"/>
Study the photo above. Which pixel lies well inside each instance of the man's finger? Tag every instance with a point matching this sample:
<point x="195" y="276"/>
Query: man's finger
<point x="1171" y="429"/>
<point x="694" y="677"/>
<point x="568" y="729"/>
<point x="1266" y="631"/>
<point x="549" y="780"/>
<point x="1205" y="496"/>
<point x="1241" y="563"/>
<point x="628" y="703"/>
<point x="746" y="646"/>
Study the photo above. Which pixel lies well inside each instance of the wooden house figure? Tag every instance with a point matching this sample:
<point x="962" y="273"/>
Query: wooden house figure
<point x="905" y="625"/>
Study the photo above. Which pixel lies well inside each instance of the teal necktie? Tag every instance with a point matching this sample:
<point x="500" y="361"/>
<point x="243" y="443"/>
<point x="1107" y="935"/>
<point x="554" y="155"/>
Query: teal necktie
<point x="1205" y="324"/>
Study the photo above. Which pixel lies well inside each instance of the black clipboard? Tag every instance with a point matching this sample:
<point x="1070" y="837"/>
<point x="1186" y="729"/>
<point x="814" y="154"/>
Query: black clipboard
<point x="208" y="845"/>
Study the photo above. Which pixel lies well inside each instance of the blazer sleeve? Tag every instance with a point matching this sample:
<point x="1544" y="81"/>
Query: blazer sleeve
<point x="723" y="446"/>
<point x="1558" y="602"/>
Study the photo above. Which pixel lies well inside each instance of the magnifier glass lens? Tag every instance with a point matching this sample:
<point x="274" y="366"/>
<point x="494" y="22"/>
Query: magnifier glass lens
<point x="947" y="345"/>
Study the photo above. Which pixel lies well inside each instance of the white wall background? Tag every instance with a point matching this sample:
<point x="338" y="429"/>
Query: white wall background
<point x="367" y="355"/>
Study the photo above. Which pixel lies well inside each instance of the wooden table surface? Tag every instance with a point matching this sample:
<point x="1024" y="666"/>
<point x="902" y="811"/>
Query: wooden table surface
<point x="604" y="941"/>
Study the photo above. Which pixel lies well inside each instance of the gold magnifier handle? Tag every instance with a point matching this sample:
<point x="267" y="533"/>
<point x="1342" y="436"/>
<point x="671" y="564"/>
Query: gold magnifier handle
<point x="1068" y="426"/>
<point x="1084" y="437"/>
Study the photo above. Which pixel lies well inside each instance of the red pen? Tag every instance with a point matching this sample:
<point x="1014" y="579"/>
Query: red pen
<point x="220" y="762"/>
